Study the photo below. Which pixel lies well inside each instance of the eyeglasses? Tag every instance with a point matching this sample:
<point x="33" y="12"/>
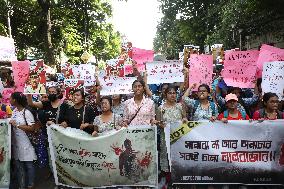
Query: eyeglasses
<point x="172" y="93"/>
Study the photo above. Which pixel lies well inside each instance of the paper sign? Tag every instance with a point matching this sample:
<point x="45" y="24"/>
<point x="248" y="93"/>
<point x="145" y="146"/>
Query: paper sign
<point x="116" y="85"/>
<point x="36" y="82"/>
<point x="169" y="71"/>
<point x="71" y="85"/>
<point x="21" y="71"/>
<point x="201" y="69"/>
<point x="115" y="67"/>
<point x="51" y="84"/>
<point x="7" y="49"/>
<point x="273" y="78"/>
<point x="240" y="68"/>
<point x="67" y="71"/>
<point x="6" y="95"/>
<point x="268" y="54"/>
<point x="141" y="55"/>
<point x="85" y="72"/>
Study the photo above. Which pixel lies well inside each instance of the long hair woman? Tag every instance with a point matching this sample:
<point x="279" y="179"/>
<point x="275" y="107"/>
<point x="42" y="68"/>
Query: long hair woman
<point x="108" y="120"/>
<point x="270" y="108"/>
<point x="22" y="122"/>
<point x="139" y="110"/>
<point x="203" y="108"/>
<point x="80" y="115"/>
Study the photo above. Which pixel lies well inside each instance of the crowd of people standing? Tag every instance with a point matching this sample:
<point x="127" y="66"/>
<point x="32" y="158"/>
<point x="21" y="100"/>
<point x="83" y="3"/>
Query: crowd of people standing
<point x="97" y="115"/>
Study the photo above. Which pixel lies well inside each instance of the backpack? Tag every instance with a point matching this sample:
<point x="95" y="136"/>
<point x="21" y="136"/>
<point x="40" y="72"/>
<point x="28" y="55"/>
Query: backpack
<point x="244" y="114"/>
<point x="262" y="114"/>
<point x="212" y="107"/>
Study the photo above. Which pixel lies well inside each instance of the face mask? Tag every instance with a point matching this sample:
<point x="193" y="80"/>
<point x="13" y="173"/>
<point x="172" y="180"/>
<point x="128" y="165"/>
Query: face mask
<point x="52" y="97"/>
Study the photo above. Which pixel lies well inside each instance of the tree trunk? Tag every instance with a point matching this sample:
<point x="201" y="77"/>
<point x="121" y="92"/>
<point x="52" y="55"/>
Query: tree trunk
<point x="45" y="5"/>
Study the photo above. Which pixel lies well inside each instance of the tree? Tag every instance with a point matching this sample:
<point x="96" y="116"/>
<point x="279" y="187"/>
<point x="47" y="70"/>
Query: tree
<point x="201" y="22"/>
<point x="50" y="26"/>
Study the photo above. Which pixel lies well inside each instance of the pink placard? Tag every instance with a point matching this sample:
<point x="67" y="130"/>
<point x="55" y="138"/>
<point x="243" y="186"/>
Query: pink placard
<point x="21" y="73"/>
<point x="129" y="70"/>
<point x="268" y="54"/>
<point x="201" y="69"/>
<point x="6" y="95"/>
<point x="240" y="68"/>
<point x="141" y="55"/>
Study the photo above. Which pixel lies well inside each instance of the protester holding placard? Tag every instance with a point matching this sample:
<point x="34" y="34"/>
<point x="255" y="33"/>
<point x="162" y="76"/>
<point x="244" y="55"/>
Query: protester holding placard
<point x="232" y="112"/>
<point x="108" y="120"/>
<point x="139" y="110"/>
<point x="203" y="109"/>
<point x="244" y="104"/>
<point x="24" y="154"/>
<point x="80" y="115"/>
<point x="270" y="110"/>
<point x="170" y="111"/>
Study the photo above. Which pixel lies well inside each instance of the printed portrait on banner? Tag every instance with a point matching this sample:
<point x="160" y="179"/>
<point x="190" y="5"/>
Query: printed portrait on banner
<point x="115" y="67"/>
<point x="36" y="81"/>
<point x="72" y="85"/>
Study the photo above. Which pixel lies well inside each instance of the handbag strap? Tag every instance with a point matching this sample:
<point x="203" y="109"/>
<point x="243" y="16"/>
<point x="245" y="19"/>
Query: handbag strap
<point x="135" y="115"/>
<point x="84" y="111"/>
<point x="57" y="114"/>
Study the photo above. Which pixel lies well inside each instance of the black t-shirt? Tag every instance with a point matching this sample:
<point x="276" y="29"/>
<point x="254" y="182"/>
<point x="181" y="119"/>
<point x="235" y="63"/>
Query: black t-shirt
<point x="50" y="113"/>
<point x="74" y="117"/>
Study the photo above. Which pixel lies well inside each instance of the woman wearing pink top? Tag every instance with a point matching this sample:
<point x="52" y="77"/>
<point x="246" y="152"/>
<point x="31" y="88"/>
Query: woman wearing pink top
<point x="139" y="110"/>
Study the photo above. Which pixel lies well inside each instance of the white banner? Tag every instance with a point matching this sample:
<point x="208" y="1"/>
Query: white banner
<point x="5" y="153"/>
<point x="168" y="71"/>
<point x="236" y="152"/>
<point x="124" y="157"/>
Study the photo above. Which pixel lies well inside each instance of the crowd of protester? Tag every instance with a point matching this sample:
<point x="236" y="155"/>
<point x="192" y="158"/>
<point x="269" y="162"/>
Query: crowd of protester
<point x="148" y="105"/>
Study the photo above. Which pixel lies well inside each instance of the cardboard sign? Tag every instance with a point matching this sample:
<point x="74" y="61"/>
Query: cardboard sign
<point x="115" y="68"/>
<point x="200" y="69"/>
<point x="169" y="71"/>
<point x="240" y="68"/>
<point x="71" y="85"/>
<point x="116" y="85"/>
<point x="273" y="78"/>
<point x="268" y="54"/>
<point x="21" y="70"/>
<point x="36" y="82"/>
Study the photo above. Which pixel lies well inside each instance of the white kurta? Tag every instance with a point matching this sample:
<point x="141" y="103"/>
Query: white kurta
<point x="22" y="148"/>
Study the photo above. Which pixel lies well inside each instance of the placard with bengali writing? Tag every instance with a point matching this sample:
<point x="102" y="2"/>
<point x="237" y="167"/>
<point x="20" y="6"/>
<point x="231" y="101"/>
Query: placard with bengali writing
<point x="116" y="85"/>
<point x="240" y="68"/>
<point x="200" y="69"/>
<point x="169" y="71"/>
<point x="268" y="54"/>
<point x="273" y="78"/>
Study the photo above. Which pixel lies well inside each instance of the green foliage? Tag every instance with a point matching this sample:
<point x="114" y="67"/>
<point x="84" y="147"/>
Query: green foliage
<point x="70" y="21"/>
<point x="202" y="22"/>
